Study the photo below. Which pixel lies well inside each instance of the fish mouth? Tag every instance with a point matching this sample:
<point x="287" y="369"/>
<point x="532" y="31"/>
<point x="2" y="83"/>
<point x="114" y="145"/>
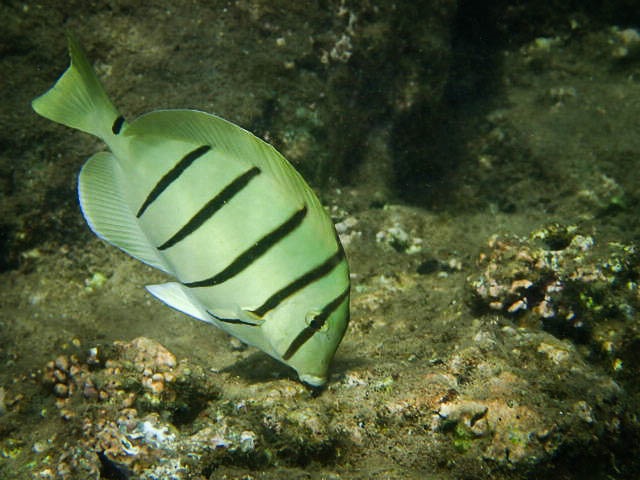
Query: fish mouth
<point x="312" y="380"/>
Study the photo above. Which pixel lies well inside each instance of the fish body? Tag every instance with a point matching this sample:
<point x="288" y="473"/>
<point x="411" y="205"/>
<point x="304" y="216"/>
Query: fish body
<point x="248" y="242"/>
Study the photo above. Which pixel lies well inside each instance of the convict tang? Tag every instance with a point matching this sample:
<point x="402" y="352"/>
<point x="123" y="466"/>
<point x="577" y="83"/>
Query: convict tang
<point x="251" y="247"/>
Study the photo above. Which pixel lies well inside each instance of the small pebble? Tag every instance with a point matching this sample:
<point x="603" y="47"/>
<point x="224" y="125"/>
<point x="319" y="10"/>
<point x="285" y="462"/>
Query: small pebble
<point x="61" y="390"/>
<point x="62" y="362"/>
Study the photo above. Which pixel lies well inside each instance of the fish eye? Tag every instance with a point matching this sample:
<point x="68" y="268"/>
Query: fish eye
<point x="315" y="323"/>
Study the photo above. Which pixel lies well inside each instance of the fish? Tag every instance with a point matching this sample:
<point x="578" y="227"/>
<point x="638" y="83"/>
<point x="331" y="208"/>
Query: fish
<point x="247" y="241"/>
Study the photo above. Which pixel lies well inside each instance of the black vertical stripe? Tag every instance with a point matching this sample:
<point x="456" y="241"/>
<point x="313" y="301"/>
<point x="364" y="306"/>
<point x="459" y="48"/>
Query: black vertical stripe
<point x="236" y="321"/>
<point x="117" y="125"/>
<point x="172" y="175"/>
<point x="316" y="324"/>
<point x="254" y="252"/>
<point x="299" y="283"/>
<point x="211" y="207"/>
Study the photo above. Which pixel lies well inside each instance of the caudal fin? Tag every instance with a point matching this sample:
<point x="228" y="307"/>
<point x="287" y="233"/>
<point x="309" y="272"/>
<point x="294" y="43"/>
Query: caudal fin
<point x="78" y="99"/>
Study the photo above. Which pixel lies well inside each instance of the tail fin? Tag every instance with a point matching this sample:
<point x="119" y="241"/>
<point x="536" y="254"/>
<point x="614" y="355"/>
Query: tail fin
<point x="78" y="99"/>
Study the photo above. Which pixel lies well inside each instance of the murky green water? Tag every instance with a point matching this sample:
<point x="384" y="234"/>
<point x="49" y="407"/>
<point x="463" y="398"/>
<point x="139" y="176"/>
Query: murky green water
<point x="480" y="164"/>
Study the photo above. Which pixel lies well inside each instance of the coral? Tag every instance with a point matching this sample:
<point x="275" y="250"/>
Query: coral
<point x="122" y="398"/>
<point x="129" y="399"/>
<point x="562" y="280"/>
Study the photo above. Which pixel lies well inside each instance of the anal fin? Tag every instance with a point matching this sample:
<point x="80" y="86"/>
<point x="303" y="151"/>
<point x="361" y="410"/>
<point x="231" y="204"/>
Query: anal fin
<point x="105" y="208"/>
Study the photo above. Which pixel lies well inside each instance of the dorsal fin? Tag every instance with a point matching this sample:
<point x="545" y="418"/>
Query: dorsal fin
<point x="206" y="129"/>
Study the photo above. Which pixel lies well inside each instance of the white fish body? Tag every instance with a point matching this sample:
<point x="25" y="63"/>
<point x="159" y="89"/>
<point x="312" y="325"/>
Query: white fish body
<point x="250" y="246"/>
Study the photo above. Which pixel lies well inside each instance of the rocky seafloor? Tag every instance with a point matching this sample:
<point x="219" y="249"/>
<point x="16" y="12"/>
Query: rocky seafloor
<point x="496" y="381"/>
<point x="489" y="221"/>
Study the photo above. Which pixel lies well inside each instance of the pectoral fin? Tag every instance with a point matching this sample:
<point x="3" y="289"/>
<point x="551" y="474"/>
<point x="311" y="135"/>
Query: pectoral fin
<point x="237" y="315"/>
